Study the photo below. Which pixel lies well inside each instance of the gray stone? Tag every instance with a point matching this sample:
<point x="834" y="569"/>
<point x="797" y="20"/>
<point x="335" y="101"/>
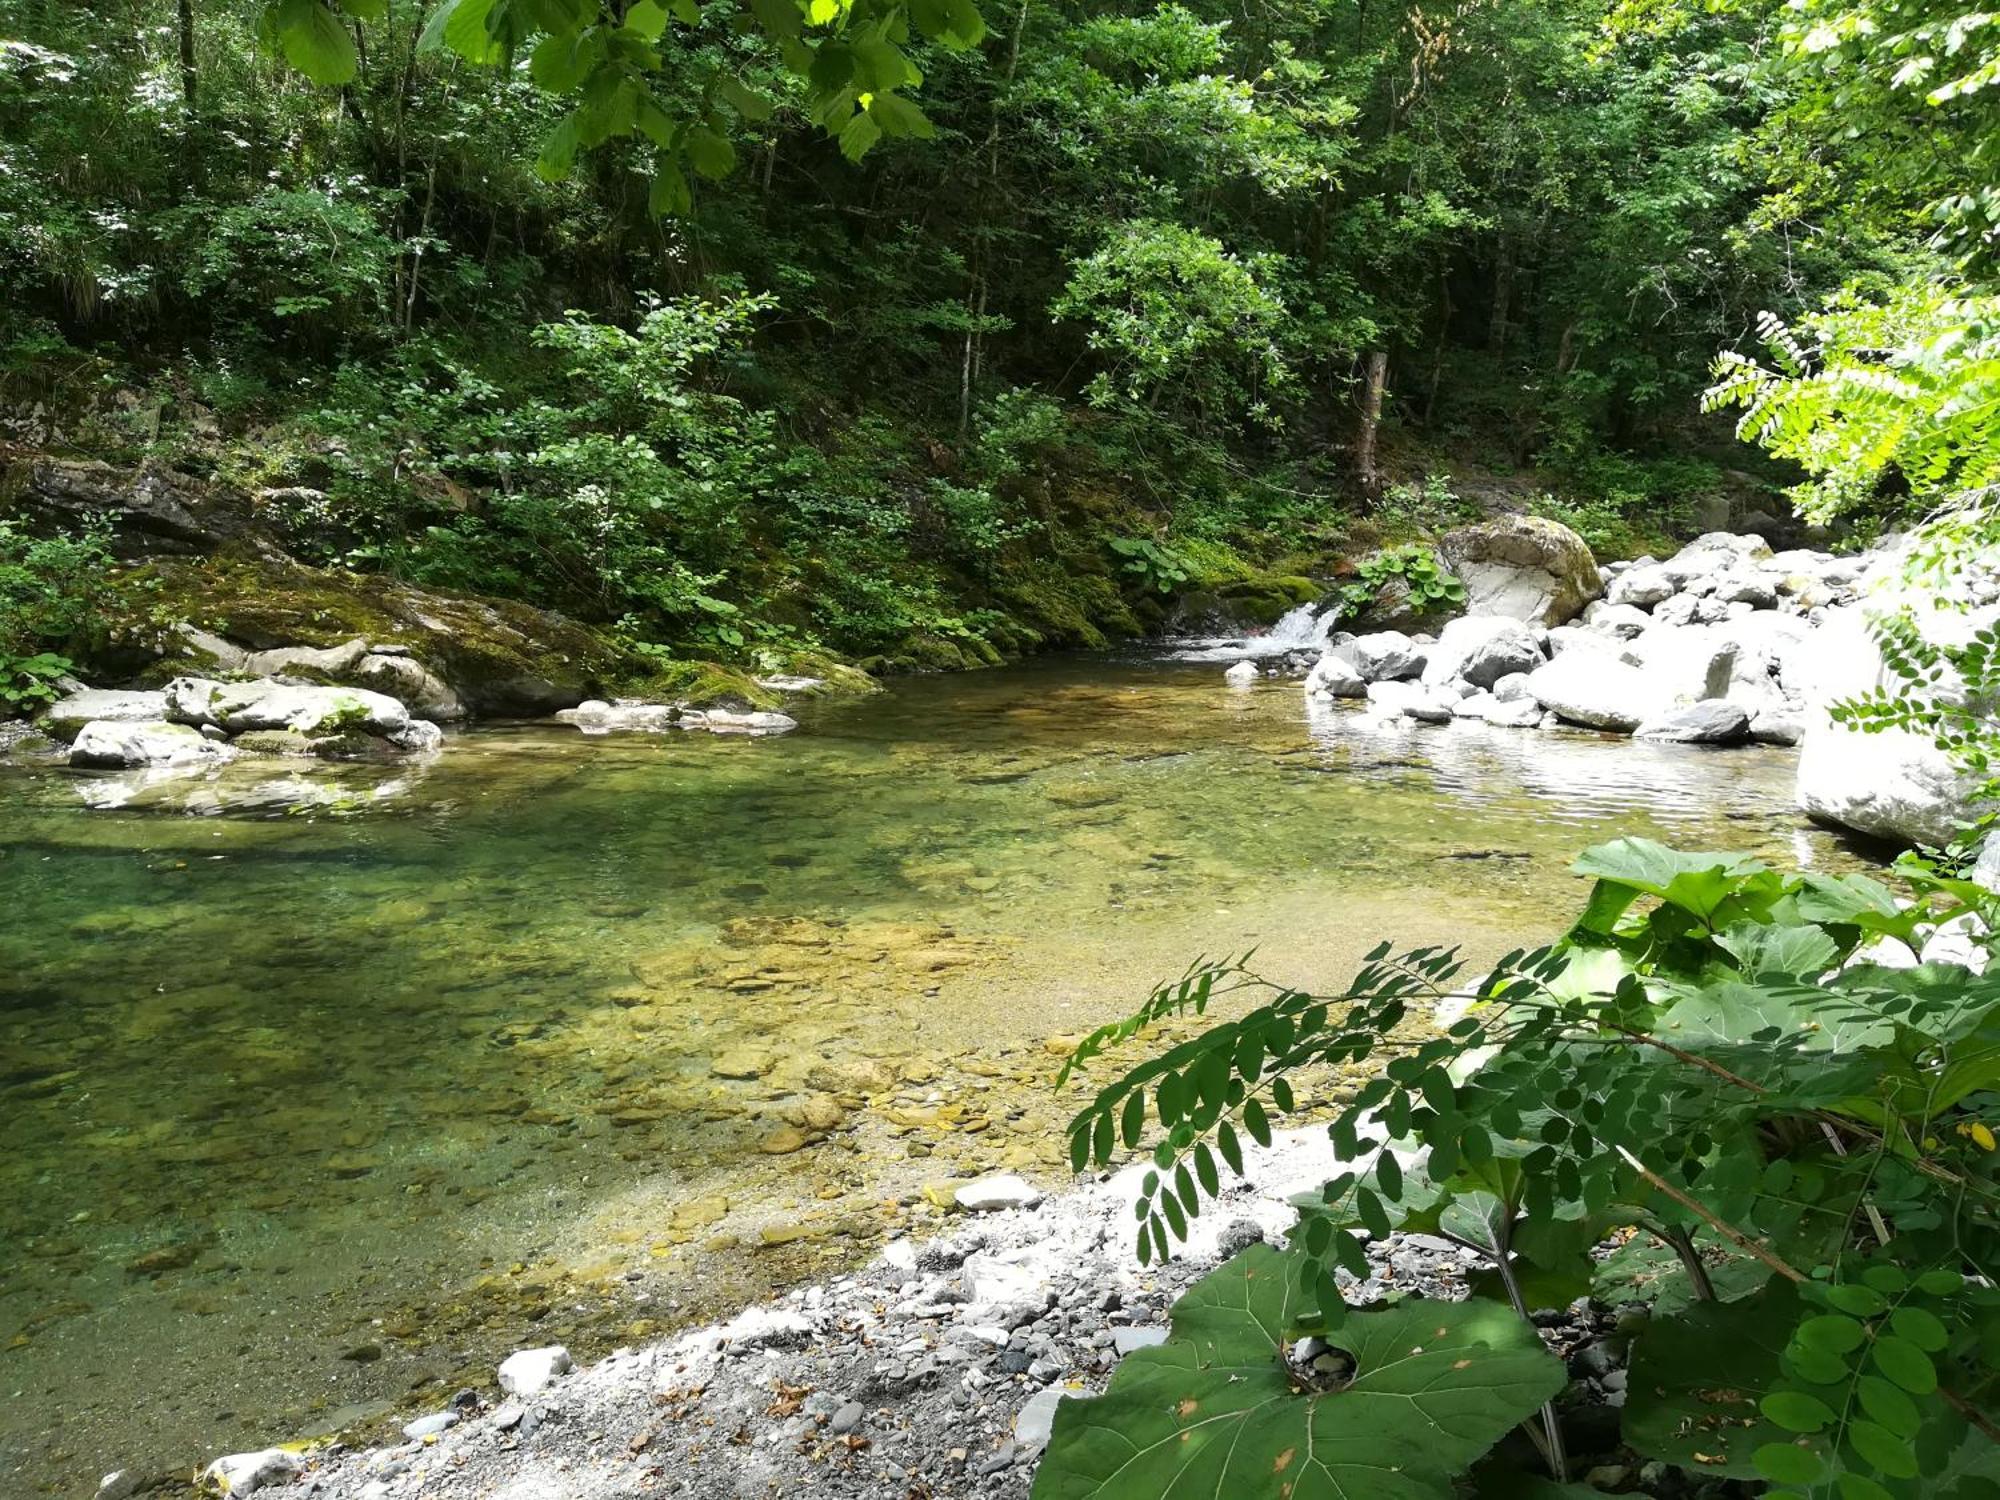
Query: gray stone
<point x="1712" y="721"/>
<point x="1516" y="713"/>
<point x="430" y="1426"/>
<point x="1127" y="1340"/>
<point x="1524" y="567"/>
<point x="1513" y="688"/>
<point x="1746" y="588"/>
<point x="119" y="1484"/>
<point x="307" y="661"/>
<point x="1619" y="621"/>
<point x="1037" y="1418"/>
<point x="64" y="719"/>
<point x="727" y="721"/>
<point x="1482" y="649"/>
<point x="1686" y="663"/>
<point x="400" y="675"/>
<point x="114" y="745"/>
<point x="847" y="1419"/>
<point x="1335" y="677"/>
<point x="1242" y="674"/>
<point x="1715" y="552"/>
<point x="1000" y="1191"/>
<point x="1642" y="588"/>
<point x="1385" y="656"/>
<point x="265" y="704"/>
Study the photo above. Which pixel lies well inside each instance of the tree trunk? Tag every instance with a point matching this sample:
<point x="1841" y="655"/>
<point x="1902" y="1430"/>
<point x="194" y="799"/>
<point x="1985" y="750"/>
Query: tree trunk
<point x="1503" y="297"/>
<point x="189" y="78"/>
<point x="1365" y="472"/>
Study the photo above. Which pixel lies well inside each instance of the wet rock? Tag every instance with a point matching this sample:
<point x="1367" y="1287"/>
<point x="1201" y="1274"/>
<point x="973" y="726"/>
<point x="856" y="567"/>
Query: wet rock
<point x="625" y="716"/>
<point x="528" y="1372"/>
<point x="267" y="704"/>
<point x="1620" y="621"/>
<point x="1243" y="674"/>
<point x="1334" y="677"/>
<point x="245" y="1473"/>
<point x="1642" y="588"/>
<point x="115" y="745"/>
<point x="743" y="1062"/>
<point x="119" y="1484"/>
<point x="1524" y="567"/>
<point x="728" y="721"/>
<point x="1412" y="699"/>
<point x="1712" y="721"/>
<point x="66" y="718"/>
<point x="784" y="1141"/>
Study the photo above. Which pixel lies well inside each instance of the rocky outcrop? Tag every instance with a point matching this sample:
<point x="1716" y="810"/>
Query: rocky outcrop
<point x="158" y="510"/>
<point x="114" y="745"/>
<point x="444" y="654"/>
<point x="1894" y="783"/>
<point x="1522" y="568"/>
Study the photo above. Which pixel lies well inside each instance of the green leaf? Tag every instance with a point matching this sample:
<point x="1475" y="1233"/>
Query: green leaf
<point x="648" y="18"/>
<point x="1697" y="883"/>
<point x="1795" y="1411"/>
<point x="1861" y="1301"/>
<point x="1888" y="1405"/>
<point x="461" y="26"/>
<point x="1213" y="1410"/>
<point x="1788" y="1463"/>
<point x="1921" y="1327"/>
<point x="1682" y="1400"/>
<point x="1904" y="1363"/>
<point x="1883" y="1449"/>
<point x="746" y="101"/>
<point x="670" y="195"/>
<point x="859" y="135"/>
<point x="315" y="41"/>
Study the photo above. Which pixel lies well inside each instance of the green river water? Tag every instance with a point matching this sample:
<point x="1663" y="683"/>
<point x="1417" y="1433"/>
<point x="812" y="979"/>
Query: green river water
<point x="311" y="1117"/>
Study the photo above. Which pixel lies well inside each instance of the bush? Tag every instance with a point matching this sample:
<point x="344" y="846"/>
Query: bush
<point x="1735" y="1077"/>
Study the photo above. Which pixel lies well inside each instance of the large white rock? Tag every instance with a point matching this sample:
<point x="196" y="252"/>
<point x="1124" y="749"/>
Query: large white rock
<point x="1597" y="690"/>
<point x="237" y="706"/>
<point x="1482" y="649"/>
<point x="1037" y="1418"/>
<point x="527" y="1372"/>
<point x="1525" y="567"/>
<point x="1715" y="552"/>
<point x="65" y="718"/>
<point x="1620" y="621"/>
<point x="1243" y="674"/>
<point x="1895" y="783"/>
<point x="329" y="661"/>
<point x="245" y="1473"/>
<point x="1642" y="587"/>
<point x="1421" y="703"/>
<point x="1713" y="721"/>
<point x="1685" y="663"/>
<point x="113" y="744"/>
<point x="1333" y="676"/>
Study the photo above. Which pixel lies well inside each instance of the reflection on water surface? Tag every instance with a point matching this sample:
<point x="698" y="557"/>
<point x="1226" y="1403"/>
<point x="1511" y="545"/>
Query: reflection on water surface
<point x="576" y="1038"/>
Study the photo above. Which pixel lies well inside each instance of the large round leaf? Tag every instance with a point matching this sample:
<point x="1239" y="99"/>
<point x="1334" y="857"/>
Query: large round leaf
<point x="1698" y="1378"/>
<point x="1214" y="1412"/>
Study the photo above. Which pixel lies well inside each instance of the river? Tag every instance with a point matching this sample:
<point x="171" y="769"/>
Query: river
<point x="311" y="1117"/>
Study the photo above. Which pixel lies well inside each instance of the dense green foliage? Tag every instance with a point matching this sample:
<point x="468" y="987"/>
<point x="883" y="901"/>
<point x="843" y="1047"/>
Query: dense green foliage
<point x="1155" y="272"/>
<point x="1733" y="1075"/>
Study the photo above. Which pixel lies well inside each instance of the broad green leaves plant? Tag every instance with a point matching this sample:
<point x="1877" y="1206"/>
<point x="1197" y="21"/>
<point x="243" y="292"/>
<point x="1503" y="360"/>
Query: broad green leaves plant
<point x="1748" y="1071"/>
<point x="1223" y="1409"/>
<point x="1413" y="569"/>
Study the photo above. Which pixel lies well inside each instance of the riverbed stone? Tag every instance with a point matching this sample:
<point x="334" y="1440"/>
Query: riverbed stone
<point x="1525" y="567"/>
<point x="1000" y="1191"/>
<point x="64" y="719"/>
<point x="1642" y="588"/>
<point x="1596" y="690"/>
<point x="1481" y="649"/>
<point x="1335" y="677"/>
<point x="1243" y="674"/>
<point x="245" y="1473"/>
<point x="1711" y="721"/>
<point x="1037" y="1417"/>
<point x="268" y="704"/>
<point x="528" y="1372"/>
<point x="1620" y="621"/>
<point x="106" y="744"/>
<point x="1384" y="656"/>
<point x="1715" y="552"/>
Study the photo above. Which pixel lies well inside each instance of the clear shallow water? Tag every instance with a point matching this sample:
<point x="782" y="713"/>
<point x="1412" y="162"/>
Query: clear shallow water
<point x="308" y="1118"/>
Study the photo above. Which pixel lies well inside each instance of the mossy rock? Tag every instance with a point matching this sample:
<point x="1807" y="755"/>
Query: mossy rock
<point x="1267" y="597"/>
<point x="501" y="657"/>
<point x="700" y="684"/>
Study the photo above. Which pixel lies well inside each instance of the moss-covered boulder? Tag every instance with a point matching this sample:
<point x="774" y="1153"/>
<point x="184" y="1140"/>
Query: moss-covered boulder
<point x="499" y="657"/>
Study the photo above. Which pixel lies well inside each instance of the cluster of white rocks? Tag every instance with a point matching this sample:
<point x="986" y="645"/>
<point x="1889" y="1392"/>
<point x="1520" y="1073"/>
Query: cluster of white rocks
<point x="196" y="721"/>
<point x="594" y="716"/>
<point x="1717" y="658"/>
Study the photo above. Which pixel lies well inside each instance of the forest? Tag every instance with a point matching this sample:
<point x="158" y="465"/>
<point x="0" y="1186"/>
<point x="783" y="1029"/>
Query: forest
<point x="655" y="323"/>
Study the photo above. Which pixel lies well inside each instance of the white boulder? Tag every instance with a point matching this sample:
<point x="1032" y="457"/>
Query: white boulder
<point x="1243" y="674"/>
<point x="1712" y="721"/>
<point x="1525" y="567"/>
<point x="1685" y="663"/>
<point x="1482" y="649"/>
<point x="527" y="1372"/>
<point x="116" y="745"/>
<point x="64" y="719"/>
<point x="1642" y="587"/>
<point x="245" y="1473"/>
<point x="1596" y="690"/>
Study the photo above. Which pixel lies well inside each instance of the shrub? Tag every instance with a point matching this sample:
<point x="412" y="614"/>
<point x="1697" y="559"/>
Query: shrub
<point x="1745" y="1081"/>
